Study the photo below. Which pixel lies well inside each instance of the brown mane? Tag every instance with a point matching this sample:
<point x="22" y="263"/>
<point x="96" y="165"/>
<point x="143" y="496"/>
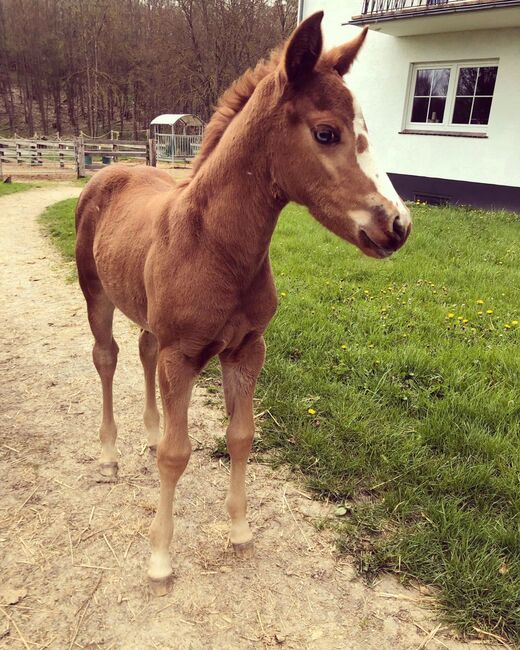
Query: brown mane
<point x="232" y="102"/>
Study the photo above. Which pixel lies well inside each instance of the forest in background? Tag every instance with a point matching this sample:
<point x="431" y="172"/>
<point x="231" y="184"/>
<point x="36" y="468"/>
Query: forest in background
<point x="102" y="65"/>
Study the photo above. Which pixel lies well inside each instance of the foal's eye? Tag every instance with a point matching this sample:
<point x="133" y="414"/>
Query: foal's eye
<point x="325" y="134"/>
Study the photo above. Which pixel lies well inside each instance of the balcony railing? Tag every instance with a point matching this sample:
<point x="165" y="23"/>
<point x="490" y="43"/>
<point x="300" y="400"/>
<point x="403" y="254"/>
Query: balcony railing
<point x="376" y="7"/>
<point x="397" y="17"/>
<point x="384" y="6"/>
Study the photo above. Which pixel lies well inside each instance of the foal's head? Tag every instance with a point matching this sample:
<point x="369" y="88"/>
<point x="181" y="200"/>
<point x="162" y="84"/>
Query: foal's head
<point x="323" y="158"/>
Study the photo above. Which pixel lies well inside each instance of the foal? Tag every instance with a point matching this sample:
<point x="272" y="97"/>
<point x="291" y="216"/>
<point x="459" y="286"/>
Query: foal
<point x="189" y="262"/>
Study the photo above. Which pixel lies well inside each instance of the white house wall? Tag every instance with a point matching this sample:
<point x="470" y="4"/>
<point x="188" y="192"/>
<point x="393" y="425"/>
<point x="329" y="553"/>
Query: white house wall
<point x="380" y="78"/>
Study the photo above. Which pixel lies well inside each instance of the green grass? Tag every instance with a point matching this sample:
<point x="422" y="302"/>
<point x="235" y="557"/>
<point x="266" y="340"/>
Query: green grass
<point x="417" y="422"/>
<point x="58" y="222"/>
<point x="11" y="188"/>
<point x="391" y="394"/>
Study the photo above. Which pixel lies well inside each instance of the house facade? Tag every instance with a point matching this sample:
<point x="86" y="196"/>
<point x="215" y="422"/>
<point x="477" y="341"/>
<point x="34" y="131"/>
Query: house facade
<point x="439" y="84"/>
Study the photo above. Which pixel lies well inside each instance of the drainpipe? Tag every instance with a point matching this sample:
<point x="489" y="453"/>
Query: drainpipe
<point x="301" y="6"/>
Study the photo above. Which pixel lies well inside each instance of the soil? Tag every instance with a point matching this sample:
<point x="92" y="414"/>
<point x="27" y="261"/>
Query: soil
<point x="73" y="551"/>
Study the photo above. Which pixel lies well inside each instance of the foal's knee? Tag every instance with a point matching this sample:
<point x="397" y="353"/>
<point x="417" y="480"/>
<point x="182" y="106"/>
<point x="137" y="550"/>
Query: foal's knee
<point x="105" y="357"/>
<point x="239" y="438"/>
<point x="172" y="460"/>
<point x="147" y="346"/>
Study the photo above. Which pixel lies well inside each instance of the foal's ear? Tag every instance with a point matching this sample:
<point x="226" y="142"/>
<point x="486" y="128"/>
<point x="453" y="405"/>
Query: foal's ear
<point x="342" y="57"/>
<point x="303" y="49"/>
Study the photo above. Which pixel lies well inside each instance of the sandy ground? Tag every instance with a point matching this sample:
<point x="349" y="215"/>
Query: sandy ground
<point x="73" y="552"/>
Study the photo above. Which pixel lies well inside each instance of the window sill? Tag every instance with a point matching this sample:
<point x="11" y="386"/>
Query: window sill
<point x="451" y="134"/>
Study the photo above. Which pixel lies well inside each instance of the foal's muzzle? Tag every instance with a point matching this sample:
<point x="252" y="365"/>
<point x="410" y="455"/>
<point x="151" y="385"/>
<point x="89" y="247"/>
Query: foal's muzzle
<point x="386" y="231"/>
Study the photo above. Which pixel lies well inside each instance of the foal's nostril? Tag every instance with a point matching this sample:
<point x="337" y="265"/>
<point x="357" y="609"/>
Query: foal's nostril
<point x="398" y="227"/>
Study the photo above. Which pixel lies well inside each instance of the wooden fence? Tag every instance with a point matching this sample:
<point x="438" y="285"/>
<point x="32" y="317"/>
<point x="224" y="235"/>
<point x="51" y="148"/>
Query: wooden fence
<point x="37" y="156"/>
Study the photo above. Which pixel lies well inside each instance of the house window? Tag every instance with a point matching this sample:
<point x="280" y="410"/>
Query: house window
<point x="451" y="96"/>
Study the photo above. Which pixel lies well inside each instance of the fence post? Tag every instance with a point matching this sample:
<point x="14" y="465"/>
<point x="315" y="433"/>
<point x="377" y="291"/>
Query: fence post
<point x="114" y="146"/>
<point x="151" y="153"/>
<point x="79" y="149"/>
<point x="60" y="155"/>
<point x="19" y="160"/>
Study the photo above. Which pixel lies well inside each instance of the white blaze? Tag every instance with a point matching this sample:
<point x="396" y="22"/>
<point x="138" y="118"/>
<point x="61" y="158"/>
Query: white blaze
<point x="368" y="164"/>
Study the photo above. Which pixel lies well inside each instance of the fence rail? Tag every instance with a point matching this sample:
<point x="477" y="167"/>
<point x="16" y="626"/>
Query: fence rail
<point x="37" y="153"/>
<point x="68" y="156"/>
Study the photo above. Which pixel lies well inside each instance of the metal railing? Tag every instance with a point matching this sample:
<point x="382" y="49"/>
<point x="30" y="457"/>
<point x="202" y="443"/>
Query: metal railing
<point x="389" y="6"/>
<point x="177" y="147"/>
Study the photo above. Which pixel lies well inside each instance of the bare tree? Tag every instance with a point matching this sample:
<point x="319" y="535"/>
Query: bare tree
<point x="98" y="65"/>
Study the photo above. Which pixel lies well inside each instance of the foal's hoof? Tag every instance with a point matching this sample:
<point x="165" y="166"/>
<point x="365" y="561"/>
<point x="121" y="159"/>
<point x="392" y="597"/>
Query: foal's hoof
<point x="152" y="450"/>
<point x="107" y="472"/>
<point x="161" y="586"/>
<point x="245" y="551"/>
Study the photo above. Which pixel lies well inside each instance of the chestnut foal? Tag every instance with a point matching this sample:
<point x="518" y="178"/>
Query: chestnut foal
<point x="189" y="262"/>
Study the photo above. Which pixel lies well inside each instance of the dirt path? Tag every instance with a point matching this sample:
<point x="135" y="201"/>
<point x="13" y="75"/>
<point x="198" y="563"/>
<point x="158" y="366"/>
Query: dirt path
<point x="75" y="551"/>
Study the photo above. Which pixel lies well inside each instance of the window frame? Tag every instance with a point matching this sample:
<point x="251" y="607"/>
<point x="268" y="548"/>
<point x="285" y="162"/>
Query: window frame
<point x="446" y="126"/>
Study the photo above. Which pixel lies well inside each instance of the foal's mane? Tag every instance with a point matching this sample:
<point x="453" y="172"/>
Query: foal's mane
<point x="232" y="102"/>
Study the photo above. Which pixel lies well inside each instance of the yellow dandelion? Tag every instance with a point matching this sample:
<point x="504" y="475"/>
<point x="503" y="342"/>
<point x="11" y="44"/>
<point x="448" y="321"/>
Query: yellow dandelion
<point x="480" y="301"/>
<point x="451" y="315"/>
<point x="489" y="311"/>
<point x="514" y="323"/>
<point x="283" y="294"/>
<point x="343" y="347"/>
<point x="507" y="326"/>
<point x="465" y="320"/>
<point x="480" y="313"/>
<point x="460" y="317"/>
<point x="311" y="411"/>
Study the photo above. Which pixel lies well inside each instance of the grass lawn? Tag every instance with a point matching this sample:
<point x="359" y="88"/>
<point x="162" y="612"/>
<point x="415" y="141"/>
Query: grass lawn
<point x="395" y="388"/>
<point x="11" y="188"/>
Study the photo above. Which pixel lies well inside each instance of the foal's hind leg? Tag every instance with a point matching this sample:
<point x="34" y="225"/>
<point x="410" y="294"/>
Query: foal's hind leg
<point x="240" y="371"/>
<point x="100" y="316"/>
<point x="176" y="377"/>
<point x="148" y="352"/>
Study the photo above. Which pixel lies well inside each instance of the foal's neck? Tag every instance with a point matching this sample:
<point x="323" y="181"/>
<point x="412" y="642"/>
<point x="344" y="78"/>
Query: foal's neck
<point x="234" y="195"/>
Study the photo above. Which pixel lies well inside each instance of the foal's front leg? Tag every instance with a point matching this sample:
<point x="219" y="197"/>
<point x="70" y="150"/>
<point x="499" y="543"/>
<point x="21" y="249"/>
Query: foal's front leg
<point x="176" y="377"/>
<point x="148" y="350"/>
<point x="240" y="370"/>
